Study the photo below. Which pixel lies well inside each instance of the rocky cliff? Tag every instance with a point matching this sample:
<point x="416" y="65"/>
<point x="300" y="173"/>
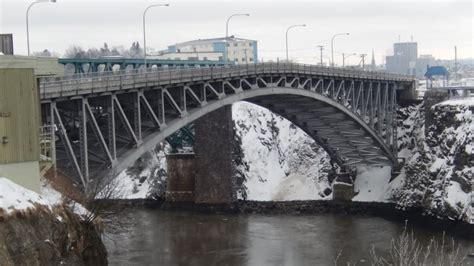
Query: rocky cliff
<point x="278" y="161"/>
<point x="439" y="170"/>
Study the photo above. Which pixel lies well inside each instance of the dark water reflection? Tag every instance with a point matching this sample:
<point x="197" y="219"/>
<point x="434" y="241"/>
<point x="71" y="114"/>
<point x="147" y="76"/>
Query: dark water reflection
<point x="181" y="238"/>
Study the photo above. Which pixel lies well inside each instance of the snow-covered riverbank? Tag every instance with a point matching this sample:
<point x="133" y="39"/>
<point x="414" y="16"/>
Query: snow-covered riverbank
<point x="280" y="162"/>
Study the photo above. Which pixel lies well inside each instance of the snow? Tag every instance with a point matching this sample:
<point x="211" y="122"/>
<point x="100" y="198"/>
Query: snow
<point x="132" y="188"/>
<point x="282" y="164"/>
<point x="50" y="194"/>
<point x="372" y="184"/>
<point x="54" y="197"/>
<point x="15" y="197"/>
<point x="146" y="178"/>
<point x="469" y="101"/>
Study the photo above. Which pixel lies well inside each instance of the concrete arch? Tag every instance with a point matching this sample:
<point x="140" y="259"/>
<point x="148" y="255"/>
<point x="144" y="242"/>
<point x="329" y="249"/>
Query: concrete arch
<point x="258" y="97"/>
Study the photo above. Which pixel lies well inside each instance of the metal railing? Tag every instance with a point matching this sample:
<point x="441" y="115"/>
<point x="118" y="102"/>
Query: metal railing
<point x="458" y="91"/>
<point x="53" y="87"/>
<point x="47" y="141"/>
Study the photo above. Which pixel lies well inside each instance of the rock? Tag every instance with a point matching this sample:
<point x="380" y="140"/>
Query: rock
<point x="43" y="237"/>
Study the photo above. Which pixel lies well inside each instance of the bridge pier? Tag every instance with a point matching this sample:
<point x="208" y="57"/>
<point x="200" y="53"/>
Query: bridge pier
<point x="213" y="148"/>
<point x="205" y="177"/>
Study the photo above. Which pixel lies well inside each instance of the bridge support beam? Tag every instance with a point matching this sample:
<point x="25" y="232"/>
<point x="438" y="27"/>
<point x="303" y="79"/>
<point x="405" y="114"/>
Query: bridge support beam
<point x="214" y="182"/>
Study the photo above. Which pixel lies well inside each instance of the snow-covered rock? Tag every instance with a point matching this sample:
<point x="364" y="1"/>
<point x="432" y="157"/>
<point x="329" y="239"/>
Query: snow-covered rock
<point x="147" y="177"/>
<point x="15" y="197"/>
<point x="438" y="172"/>
<point x="282" y="162"/>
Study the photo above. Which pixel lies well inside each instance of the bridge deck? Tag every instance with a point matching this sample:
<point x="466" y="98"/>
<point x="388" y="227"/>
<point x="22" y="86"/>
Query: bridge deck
<point x="94" y="83"/>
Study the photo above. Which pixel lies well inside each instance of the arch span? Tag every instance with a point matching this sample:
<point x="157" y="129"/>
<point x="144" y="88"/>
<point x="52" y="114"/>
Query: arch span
<point x="106" y="123"/>
<point x="324" y="125"/>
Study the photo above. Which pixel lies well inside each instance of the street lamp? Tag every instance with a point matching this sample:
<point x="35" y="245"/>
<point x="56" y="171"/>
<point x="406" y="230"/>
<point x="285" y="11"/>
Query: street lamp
<point x="27" y="22"/>
<point x="227" y="33"/>
<point x="344" y="56"/>
<point x="332" y="46"/>
<point x="290" y="27"/>
<point x="144" y="29"/>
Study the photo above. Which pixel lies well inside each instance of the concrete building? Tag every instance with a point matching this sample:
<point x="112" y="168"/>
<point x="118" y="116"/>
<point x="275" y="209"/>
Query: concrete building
<point x="237" y="50"/>
<point x="20" y="140"/>
<point x="403" y="60"/>
<point x="422" y="64"/>
<point x="43" y="66"/>
<point x="19" y="126"/>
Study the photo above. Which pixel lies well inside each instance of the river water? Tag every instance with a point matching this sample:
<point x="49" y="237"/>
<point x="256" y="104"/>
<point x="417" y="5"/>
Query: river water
<point x="157" y="237"/>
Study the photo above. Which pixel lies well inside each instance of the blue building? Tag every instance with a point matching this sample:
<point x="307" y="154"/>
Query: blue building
<point x="231" y="49"/>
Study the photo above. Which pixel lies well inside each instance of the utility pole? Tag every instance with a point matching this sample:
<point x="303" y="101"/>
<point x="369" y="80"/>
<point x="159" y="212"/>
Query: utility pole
<point x="362" y="56"/>
<point x="455" y="63"/>
<point x="321" y="47"/>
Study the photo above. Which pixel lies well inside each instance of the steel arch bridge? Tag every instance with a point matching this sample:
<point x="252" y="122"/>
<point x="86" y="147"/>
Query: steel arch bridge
<point x="106" y="122"/>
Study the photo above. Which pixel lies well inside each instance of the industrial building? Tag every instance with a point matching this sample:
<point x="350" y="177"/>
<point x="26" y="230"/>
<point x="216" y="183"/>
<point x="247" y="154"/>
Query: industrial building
<point x="403" y="60"/>
<point x="230" y="49"/>
<point x="19" y="125"/>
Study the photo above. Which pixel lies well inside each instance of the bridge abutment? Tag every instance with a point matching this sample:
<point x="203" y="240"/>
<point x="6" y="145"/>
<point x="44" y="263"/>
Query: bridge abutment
<point x="343" y="187"/>
<point x="181" y="177"/>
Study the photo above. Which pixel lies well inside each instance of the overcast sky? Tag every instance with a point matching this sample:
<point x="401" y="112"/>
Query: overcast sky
<point x="437" y="26"/>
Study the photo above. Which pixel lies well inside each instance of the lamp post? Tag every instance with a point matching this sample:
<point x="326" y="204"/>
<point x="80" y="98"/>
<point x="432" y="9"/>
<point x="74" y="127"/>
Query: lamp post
<point x="27" y="22"/>
<point x="290" y="27"/>
<point x="344" y="56"/>
<point x="332" y="46"/>
<point x="144" y="30"/>
<point x="227" y="34"/>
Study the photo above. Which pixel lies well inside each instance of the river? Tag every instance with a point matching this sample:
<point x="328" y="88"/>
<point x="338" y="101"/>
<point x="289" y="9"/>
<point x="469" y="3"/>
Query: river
<point x="156" y="237"/>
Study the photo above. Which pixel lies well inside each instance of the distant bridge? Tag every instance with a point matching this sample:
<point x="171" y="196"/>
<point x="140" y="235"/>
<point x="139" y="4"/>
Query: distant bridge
<point x="106" y="122"/>
<point x="89" y="65"/>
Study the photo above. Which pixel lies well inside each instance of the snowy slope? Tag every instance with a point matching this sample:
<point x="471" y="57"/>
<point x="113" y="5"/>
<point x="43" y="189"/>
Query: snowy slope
<point x="283" y="162"/>
<point x="146" y="178"/>
<point x="15" y="197"/>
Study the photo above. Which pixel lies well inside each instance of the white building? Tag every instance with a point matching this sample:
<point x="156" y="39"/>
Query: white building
<point x="237" y="50"/>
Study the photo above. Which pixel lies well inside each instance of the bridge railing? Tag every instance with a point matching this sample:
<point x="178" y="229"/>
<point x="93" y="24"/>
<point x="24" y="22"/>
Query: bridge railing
<point x="126" y="79"/>
<point x="457" y="91"/>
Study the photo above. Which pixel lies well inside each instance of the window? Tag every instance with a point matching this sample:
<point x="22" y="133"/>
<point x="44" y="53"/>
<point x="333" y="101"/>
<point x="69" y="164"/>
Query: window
<point x="250" y="44"/>
<point x="235" y="44"/>
<point x="236" y="60"/>
<point x="205" y="58"/>
<point x="243" y="60"/>
<point x="251" y="59"/>
<point x="228" y="44"/>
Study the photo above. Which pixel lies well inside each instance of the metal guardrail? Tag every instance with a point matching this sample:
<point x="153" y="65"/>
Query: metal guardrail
<point x="458" y="91"/>
<point x="54" y="87"/>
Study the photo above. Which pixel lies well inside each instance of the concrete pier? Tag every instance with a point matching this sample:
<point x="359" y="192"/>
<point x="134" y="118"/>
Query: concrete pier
<point x="213" y="148"/>
<point x="181" y="177"/>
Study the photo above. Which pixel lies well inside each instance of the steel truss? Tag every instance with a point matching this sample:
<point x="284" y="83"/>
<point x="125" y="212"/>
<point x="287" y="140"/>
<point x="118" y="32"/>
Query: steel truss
<point x="105" y="125"/>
